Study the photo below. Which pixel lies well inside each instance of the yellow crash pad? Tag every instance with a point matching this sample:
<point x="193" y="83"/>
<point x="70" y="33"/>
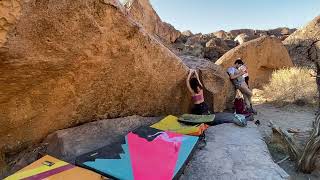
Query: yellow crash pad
<point x="171" y="123"/>
<point x="50" y="168"/>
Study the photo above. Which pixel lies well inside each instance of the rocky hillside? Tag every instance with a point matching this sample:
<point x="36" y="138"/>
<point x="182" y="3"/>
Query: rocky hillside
<point x="280" y="33"/>
<point x="304" y="44"/>
<point x="203" y="46"/>
<point x="212" y="46"/>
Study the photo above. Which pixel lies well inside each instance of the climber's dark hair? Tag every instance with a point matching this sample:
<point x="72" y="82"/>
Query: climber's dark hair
<point x="239" y="61"/>
<point x="194" y="83"/>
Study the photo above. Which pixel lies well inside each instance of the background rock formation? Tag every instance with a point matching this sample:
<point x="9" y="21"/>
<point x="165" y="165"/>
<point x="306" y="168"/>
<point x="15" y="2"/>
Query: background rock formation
<point x="203" y="46"/>
<point x="242" y="38"/>
<point x="187" y="33"/>
<point x="280" y="33"/>
<point x="262" y="56"/>
<point x="221" y="34"/>
<point x="304" y="44"/>
<point x="213" y="45"/>
<point x="143" y="13"/>
<point x="69" y="62"/>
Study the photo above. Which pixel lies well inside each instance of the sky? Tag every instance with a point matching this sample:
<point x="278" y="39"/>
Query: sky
<point x="208" y="16"/>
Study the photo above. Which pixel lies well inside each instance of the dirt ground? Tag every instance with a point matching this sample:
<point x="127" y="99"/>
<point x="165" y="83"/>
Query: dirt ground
<point x="289" y="116"/>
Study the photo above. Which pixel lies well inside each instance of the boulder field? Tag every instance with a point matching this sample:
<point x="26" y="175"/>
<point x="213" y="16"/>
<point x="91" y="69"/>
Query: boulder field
<point x="66" y="63"/>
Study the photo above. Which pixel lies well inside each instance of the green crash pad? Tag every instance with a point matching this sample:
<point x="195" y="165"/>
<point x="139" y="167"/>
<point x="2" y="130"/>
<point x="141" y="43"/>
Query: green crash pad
<point x="196" y="119"/>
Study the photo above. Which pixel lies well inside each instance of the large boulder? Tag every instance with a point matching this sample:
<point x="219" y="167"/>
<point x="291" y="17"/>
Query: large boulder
<point x="187" y="33"/>
<point x="242" y="38"/>
<point x="233" y="153"/>
<point x="234" y="33"/>
<point x="221" y="34"/>
<point x="195" y="50"/>
<point x="215" y="48"/>
<point x="182" y="39"/>
<point x="262" y="56"/>
<point x="64" y="63"/>
<point x="231" y="43"/>
<point x="219" y="92"/>
<point x="194" y="45"/>
<point x="143" y="13"/>
<point x="213" y="53"/>
<point x="201" y="39"/>
<point x="69" y="143"/>
<point x="304" y="44"/>
<point x="217" y="42"/>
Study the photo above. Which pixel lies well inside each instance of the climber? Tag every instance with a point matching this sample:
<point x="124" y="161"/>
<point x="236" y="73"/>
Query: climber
<point x="201" y="108"/>
<point x="244" y="68"/>
<point x="196" y="89"/>
<point x="237" y="78"/>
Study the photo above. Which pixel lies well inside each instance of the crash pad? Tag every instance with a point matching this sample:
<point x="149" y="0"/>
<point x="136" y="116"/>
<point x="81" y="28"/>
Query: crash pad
<point x="145" y="153"/>
<point x="171" y="123"/>
<point x="50" y="168"/>
<point x="196" y="119"/>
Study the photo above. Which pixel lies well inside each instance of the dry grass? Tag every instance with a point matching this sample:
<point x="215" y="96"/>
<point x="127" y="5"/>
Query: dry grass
<point x="292" y="85"/>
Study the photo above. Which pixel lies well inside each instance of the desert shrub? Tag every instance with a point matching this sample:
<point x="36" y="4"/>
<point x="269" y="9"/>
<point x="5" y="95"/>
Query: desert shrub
<point x="291" y="85"/>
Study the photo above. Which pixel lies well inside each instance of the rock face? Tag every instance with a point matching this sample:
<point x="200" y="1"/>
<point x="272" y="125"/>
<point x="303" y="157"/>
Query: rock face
<point x="304" y="44"/>
<point x="233" y="153"/>
<point x="69" y="143"/>
<point x="262" y="56"/>
<point x="219" y="92"/>
<point x="143" y="13"/>
<point x="69" y="62"/>
<point x="203" y="46"/>
<point x="9" y="13"/>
